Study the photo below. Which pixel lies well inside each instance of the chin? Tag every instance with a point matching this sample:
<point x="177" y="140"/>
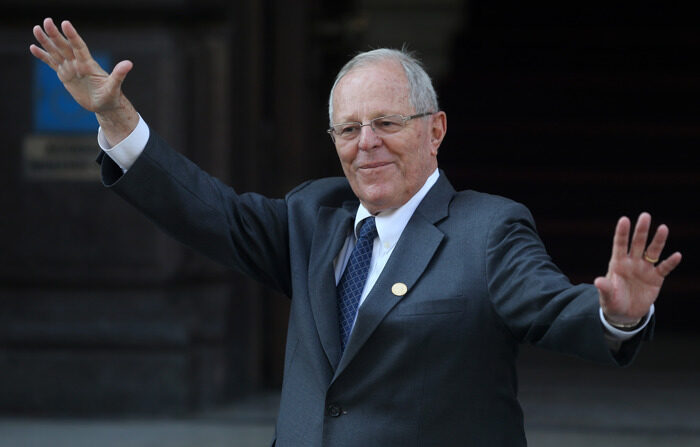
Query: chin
<point x="376" y="201"/>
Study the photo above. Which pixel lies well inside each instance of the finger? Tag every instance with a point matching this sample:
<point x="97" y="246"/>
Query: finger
<point x="640" y="236"/>
<point x="42" y="56"/>
<point x="80" y="49"/>
<point x="48" y="46"/>
<point x="669" y="264"/>
<point x="58" y="40"/>
<point x="621" y="238"/>
<point x="656" y="246"/>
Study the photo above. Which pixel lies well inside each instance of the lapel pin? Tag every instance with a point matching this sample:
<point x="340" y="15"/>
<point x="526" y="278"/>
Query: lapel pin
<point x="399" y="289"/>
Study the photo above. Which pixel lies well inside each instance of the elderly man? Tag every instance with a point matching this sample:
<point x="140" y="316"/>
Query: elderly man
<point x="408" y="299"/>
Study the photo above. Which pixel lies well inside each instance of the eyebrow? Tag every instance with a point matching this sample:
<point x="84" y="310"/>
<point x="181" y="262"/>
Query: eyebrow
<point x="373" y="116"/>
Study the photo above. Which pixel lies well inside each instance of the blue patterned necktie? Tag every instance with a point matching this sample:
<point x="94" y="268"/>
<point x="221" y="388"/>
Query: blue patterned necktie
<point x="354" y="278"/>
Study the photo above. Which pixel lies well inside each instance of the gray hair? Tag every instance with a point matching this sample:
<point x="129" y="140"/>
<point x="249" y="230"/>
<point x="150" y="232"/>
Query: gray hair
<point x="422" y="94"/>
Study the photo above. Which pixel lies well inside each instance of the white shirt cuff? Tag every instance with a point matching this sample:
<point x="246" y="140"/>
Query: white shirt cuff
<point x="621" y="335"/>
<point x="128" y="150"/>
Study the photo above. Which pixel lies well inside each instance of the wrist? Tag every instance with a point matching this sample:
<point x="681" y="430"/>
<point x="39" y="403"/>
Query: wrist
<point x="118" y="123"/>
<point x="624" y="325"/>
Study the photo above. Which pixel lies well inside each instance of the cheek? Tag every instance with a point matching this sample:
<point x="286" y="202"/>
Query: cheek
<point x="346" y="156"/>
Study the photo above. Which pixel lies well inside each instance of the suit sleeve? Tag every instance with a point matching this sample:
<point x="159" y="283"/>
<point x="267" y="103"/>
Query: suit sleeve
<point x="536" y="301"/>
<point x="247" y="232"/>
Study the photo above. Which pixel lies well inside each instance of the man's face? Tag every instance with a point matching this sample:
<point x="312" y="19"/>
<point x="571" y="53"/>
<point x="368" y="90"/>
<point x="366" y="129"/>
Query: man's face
<point x="384" y="172"/>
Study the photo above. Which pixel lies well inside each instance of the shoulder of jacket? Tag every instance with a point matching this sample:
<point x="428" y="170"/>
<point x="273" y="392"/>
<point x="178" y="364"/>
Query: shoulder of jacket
<point x="327" y="191"/>
<point x="482" y="199"/>
<point x="489" y="207"/>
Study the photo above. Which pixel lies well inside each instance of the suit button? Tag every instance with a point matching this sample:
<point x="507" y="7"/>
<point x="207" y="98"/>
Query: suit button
<point x="334" y="410"/>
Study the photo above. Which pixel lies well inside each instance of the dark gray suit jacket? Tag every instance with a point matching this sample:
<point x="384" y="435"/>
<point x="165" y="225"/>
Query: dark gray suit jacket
<point x="435" y="367"/>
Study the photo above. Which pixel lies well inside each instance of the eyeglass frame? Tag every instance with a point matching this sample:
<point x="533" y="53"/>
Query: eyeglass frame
<point x="404" y="118"/>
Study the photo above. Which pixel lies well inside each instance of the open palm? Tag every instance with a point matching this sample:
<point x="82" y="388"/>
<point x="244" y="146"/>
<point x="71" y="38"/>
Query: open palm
<point x="634" y="278"/>
<point x="92" y="87"/>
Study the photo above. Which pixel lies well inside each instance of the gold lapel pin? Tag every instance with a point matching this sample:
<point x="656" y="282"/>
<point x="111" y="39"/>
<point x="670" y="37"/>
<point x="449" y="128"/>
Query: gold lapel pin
<point x="399" y="289"/>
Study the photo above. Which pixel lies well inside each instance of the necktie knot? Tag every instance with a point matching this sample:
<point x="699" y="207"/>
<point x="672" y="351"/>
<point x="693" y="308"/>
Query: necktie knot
<point x="368" y="229"/>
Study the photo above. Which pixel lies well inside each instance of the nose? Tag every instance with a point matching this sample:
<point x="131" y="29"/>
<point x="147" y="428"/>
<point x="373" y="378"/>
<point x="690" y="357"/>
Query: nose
<point x="368" y="138"/>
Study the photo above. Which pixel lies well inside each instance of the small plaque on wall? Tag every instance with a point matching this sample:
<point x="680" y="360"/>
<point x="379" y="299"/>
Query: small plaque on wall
<point x="60" y="158"/>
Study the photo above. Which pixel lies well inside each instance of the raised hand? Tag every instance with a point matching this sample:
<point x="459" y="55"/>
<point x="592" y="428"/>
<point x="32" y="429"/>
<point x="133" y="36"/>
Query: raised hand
<point x="91" y="86"/>
<point x="635" y="274"/>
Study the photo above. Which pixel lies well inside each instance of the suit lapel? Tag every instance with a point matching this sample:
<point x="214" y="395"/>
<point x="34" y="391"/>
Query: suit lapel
<point x="332" y="227"/>
<point x="409" y="260"/>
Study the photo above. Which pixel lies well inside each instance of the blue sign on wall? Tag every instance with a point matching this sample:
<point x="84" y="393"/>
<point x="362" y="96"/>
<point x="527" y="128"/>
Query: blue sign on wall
<point x="54" y="109"/>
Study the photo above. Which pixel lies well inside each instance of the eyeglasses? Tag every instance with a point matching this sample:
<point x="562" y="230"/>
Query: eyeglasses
<point x="384" y="125"/>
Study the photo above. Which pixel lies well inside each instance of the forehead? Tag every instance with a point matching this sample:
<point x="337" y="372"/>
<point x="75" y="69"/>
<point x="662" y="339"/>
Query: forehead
<point x="370" y="91"/>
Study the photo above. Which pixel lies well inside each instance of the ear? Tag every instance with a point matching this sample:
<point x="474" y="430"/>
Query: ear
<point x="438" y="129"/>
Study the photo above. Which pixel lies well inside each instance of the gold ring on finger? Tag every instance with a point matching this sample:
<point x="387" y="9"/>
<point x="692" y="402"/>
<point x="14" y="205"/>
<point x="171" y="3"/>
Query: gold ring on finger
<point x="648" y="259"/>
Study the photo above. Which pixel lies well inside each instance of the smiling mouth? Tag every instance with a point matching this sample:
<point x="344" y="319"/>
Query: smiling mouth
<point x="375" y="165"/>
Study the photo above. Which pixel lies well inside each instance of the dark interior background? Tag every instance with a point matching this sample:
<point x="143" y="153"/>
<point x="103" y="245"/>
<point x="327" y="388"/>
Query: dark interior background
<point x="584" y="111"/>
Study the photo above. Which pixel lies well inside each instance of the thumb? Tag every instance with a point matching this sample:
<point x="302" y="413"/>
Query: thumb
<point x="605" y="288"/>
<point x="120" y="71"/>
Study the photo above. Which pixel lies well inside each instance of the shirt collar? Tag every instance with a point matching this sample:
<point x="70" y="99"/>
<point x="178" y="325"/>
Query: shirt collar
<point x="390" y="223"/>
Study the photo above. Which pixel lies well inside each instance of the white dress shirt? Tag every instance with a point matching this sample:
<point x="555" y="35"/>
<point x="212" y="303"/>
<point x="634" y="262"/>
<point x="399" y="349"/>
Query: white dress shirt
<point x="128" y="150"/>
<point x="390" y="224"/>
